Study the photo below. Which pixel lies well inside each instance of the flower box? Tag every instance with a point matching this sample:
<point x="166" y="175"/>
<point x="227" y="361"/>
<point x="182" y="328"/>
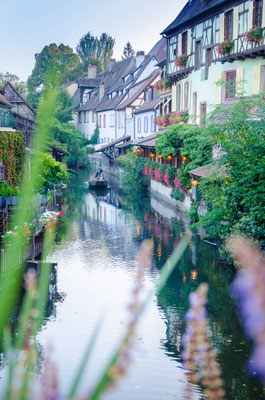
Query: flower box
<point x="254" y="35"/>
<point x="225" y="47"/>
<point x="181" y="61"/>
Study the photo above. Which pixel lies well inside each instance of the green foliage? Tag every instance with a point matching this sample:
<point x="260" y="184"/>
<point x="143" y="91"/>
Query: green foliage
<point x="19" y="85"/>
<point x="62" y="58"/>
<point x="52" y="172"/>
<point x="128" y="51"/>
<point x="12" y="155"/>
<point x="95" y="51"/>
<point x="190" y="141"/>
<point x="133" y="171"/>
<point x="64" y="112"/>
<point x="95" y="136"/>
<point x="235" y="196"/>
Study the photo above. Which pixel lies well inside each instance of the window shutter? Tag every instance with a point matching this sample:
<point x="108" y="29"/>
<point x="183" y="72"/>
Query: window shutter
<point x="189" y="42"/>
<point x="222" y="27"/>
<point x="218" y="89"/>
<point x="190" y="94"/>
<point x="256" y="79"/>
<point x="179" y="44"/>
<point x="250" y="14"/>
<point x="263" y="15"/>
<point x="235" y="23"/>
<point x="239" y="81"/>
<point x="182" y="99"/>
<point x="174" y="98"/>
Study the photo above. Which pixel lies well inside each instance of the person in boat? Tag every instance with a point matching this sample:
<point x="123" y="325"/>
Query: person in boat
<point x="99" y="172"/>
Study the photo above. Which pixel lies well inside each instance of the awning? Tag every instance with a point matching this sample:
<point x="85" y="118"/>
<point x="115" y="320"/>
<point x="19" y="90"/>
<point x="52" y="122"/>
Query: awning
<point x="207" y="170"/>
<point x="114" y="143"/>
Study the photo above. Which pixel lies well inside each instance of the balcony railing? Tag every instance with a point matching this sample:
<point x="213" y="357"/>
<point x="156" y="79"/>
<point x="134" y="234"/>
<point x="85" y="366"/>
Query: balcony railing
<point x="242" y="49"/>
<point x="7" y="119"/>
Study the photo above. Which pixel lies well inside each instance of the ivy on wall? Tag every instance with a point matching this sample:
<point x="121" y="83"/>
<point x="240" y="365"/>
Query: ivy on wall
<point x="12" y="155"/>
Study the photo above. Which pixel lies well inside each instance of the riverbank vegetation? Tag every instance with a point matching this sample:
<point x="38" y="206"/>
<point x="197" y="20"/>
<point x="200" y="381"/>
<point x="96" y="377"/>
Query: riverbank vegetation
<point x="12" y="155"/>
<point x="234" y="195"/>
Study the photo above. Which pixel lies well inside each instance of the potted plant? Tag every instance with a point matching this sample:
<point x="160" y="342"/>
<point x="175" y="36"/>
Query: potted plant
<point x="254" y="35"/>
<point x="225" y="47"/>
<point x="181" y="61"/>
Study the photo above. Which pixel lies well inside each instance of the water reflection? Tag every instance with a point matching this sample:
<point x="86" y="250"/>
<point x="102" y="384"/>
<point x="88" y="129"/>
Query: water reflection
<point x="95" y="272"/>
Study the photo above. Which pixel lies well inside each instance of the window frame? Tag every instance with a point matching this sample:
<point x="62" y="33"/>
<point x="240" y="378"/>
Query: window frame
<point x="229" y="24"/>
<point x="230" y="91"/>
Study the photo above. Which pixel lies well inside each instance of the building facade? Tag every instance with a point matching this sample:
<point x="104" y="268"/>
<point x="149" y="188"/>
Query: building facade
<point x="215" y="53"/>
<point x="24" y="114"/>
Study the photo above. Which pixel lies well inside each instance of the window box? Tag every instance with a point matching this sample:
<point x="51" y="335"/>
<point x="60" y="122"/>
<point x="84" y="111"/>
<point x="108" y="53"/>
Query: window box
<point x="254" y="35"/>
<point x="225" y="47"/>
<point x="181" y="61"/>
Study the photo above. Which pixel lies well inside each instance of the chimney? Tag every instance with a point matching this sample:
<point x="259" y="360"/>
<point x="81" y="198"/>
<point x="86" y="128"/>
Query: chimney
<point x="139" y="58"/>
<point x="91" y="71"/>
<point x="101" y="91"/>
<point x="111" y="61"/>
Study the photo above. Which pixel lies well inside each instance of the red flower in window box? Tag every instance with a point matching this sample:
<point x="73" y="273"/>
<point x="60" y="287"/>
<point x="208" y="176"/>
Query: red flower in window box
<point x="254" y="35"/>
<point x="225" y="47"/>
<point x="181" y="61"/>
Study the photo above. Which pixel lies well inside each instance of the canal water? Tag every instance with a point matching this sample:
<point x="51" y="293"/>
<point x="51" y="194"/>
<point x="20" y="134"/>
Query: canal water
<point x="94" y="277"/>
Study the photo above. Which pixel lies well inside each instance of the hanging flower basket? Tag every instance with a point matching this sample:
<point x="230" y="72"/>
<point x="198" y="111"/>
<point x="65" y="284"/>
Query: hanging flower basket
<point x="225" y="47"/>
<point x="172" y="119"/>
<point x="181" y="61"/>
<point x="163" y="84"/>
<point x="254" y="35"/>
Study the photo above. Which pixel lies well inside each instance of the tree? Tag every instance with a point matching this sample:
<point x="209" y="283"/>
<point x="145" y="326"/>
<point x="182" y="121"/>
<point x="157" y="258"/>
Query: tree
<point x="235" y="195"/>
<point x="65" y="135"/>
<point x="62" y="58"/>
<point x="128" y="51"/>
<point x="19" y="85"/>
<point x="92" y="49"/>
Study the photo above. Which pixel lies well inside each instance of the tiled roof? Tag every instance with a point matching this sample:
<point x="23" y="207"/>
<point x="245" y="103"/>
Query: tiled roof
<point x="147" y="82"/>
<point x="4" y="101"/>
<point x="88" y="82"/>
<point x="111" y="144"/>
<point x="147" y="106"/>
<point x="148" y="141"/>
<point x="192" y="10"/>
<point x="207" y="170"/>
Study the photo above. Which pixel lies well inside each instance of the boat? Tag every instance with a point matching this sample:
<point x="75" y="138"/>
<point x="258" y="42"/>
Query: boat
<point x="98" y="184"/>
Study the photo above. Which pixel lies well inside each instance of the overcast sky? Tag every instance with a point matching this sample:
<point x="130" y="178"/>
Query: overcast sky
<point x="28" y="25"/>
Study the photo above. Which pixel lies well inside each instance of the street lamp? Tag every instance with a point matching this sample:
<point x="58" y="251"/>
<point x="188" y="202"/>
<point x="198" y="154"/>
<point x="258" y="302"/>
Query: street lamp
<point x="194" y="182"/>
<point x="2" y="172"/>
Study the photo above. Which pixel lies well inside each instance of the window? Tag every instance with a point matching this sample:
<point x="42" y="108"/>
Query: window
<point x="243" y="18"/>
<point x="257" y="13"/>
<point x="139" y="125"/>
<point x="230" y="86"/>
<point x="178" y="97"/>
<point x="209" y="60"/>
<point x="203" y="113"/>
<point x="228" y="31"/>
<point x="184" y="45"/>
<point x="99" y="121"/>
<point x="85" y="117"/>
<point x="152" y="123"/>
<point x="104" y="121"/>
<point x="194" y="107"/>
<point x="86" y="96"/>
<point x="186" y="95"/>
<point x="149" y="94"/>
<point x="145" y="124"/>
<point x="209" y="57"/>
<point x="198" y="55"/>
<point x="93" y="116"/>
<point x="80" y="117"/>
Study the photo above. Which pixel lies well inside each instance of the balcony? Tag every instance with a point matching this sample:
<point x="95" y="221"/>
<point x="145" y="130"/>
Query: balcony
<point x="7" y="119"/>
<point x="177" y="72"/>
<point x="243" y="49"/>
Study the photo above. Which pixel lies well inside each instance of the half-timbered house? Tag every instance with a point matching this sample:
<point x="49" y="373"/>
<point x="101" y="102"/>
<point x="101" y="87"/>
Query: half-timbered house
<point x="7" y="120"/>
<point x="211" y="56"/>
<point x="23" y="113"/>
